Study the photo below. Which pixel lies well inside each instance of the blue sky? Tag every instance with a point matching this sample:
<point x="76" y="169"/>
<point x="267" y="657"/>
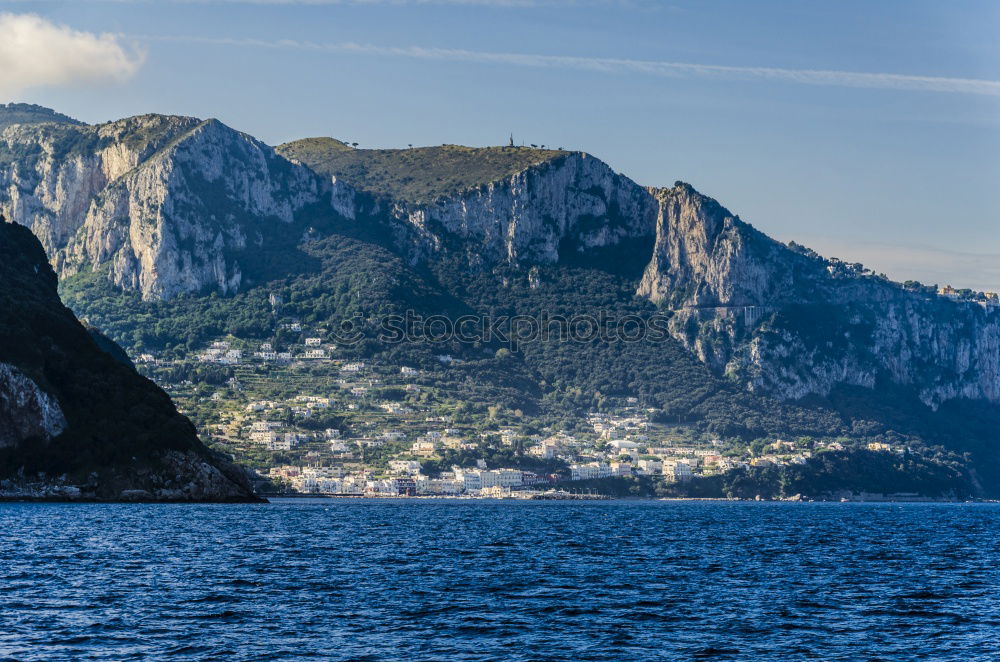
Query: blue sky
<point x="867" y="130"/>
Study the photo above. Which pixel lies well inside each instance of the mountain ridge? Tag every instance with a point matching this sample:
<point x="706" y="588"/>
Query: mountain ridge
<point x="137" y="195"/>
<point x="219" y="212"/>
<point x="27" y="113"/>
<point x="415" y="175"/>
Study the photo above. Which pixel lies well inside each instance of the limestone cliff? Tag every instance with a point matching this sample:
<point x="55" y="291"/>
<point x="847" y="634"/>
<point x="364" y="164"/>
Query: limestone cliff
<point x="787" y="322"/>
<point x="568" y="205"/>
<point x="170" y="205"/>
<point x="706" y="257"/>
<point x="167" y="204"/>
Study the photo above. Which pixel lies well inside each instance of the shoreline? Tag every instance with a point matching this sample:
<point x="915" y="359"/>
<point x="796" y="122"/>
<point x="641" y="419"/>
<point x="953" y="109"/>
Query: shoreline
<point x="268" y="497"/>
<point x="431" y="497"/>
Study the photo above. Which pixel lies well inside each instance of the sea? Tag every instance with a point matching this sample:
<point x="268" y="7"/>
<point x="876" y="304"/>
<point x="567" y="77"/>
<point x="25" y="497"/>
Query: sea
<point x="463" y="580"/>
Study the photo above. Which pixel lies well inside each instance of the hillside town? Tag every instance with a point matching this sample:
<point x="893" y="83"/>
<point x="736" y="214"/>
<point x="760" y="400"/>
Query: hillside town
<point x="312" y="420"/>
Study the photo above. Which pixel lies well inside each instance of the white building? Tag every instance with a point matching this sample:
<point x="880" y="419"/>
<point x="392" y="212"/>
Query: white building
<point x="470" y="480"/>
<point x="510" y="477"/>
<point x="650" y="467"/>
<point x="504" y="478"/>
<point x="423" y="448"/>
<point x="265" y="437"/>
<point x="590" y="471"/>
<point x="264" y="426"/>
<point x="543" y="451"/>
<point x="624" y="446"/>
<point x="405" y="467"/>
<point x="282" y="442"/>
<point x="677" y="471"/>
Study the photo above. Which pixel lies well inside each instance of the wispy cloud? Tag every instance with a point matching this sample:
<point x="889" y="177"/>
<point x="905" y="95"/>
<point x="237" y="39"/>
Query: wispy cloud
<point x="883" y="81"/>
<point x="36" y="52"/>
<point x="646" y="4"/>
<point x="472" y="3"/>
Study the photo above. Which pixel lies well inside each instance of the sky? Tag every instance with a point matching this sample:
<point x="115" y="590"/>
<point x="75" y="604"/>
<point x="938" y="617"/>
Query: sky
<point x="869" y="131"/>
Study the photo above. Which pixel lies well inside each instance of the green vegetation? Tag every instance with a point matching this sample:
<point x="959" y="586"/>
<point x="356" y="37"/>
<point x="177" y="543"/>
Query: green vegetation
<point x="60" y="138"/>
<point x="546" y="385"/>
<point x="322" y="272"/>
<point x="419" y="175"/>
<point x="856" y="471"/>
<point x="26" y="113"/>
<point x="826" y="474"/>
<point x="66" y="141"/>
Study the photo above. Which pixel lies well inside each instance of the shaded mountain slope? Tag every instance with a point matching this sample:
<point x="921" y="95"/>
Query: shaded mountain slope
<point x="68" y="408"/>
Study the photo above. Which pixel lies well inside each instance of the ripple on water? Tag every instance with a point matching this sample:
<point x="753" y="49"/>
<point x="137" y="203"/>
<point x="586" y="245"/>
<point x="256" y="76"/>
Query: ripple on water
<point x="469" y="581"/>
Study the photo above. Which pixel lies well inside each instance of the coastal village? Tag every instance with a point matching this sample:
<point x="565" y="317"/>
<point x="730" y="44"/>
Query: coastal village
<point x="988" y="300"/>
<point x="311" y="420"/>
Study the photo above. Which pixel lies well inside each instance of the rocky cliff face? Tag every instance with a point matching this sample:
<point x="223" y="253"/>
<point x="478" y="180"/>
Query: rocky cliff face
<point x="781" y="320"/>
<point x="171" y="205"/>
<point x="706" y="257"/>
<point x="571" y="204"/>
<point x="789" y="323"/>
<point x="26" y="411"/>
<point x="166" y="204"/>
<point x="74" y="420"/>
<point x="942" y="350"/>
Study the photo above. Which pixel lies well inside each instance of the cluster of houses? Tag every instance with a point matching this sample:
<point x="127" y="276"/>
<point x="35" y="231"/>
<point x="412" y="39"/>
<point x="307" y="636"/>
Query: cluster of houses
<point x="302" y="405"/>
<point x="636" y="457"/>
<point x="989" y="300"/>
<point x="586" y="461"/>
<point x="222" y="352"/>
<point x="404" y="478"/>
<point x="311" y="348"/>
<point x="622" y="444"/>
<point x="275" y="436"/>
<point x="679" y="464"/>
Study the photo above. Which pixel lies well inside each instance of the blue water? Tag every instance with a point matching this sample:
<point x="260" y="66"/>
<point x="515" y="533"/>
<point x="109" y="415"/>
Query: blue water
<point x="476" y="580"/>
